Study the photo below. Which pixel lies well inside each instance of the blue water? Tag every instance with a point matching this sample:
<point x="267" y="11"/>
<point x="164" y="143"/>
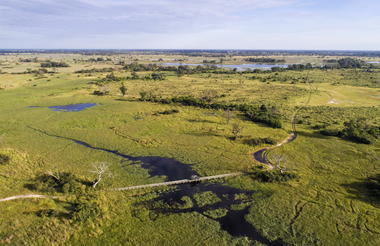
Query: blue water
<point x="73" y="107"/>
<point x="374" y="62"/>
<point x="241" y="67"/>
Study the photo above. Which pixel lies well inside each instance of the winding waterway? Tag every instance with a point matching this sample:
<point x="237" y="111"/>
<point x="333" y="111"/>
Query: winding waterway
<point x="233" y="221"/>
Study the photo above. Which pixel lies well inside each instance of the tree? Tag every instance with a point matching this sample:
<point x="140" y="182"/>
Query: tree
<point x="350" y="63"/>
<point x="101" y="171"/>
<point x="228" y="114"/>
<point x="236" y="130"/>
<point x="278" y="159"/>
<point x="111" y="77"/>
<point x="209" y="95"/>
<point x="158" y="76"/>
<point x="123" y="89"/>
<point x="359" y="131"/>
<point x="134" y="75"/>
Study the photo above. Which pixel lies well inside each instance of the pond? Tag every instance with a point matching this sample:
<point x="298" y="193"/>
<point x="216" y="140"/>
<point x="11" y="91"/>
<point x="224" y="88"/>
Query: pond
<point x="70" y="107"/>
<point x="240" y="67"/>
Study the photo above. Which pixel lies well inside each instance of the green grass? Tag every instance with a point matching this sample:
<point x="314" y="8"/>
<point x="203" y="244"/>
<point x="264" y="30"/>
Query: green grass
<point x="323" y="206"/>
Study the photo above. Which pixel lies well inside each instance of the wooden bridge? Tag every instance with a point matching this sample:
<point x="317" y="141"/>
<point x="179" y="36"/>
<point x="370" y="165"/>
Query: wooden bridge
<point x="176" y="182"/>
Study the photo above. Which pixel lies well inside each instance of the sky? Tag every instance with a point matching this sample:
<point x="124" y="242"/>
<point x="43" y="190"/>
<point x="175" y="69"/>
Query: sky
<point x="190" y="24"/>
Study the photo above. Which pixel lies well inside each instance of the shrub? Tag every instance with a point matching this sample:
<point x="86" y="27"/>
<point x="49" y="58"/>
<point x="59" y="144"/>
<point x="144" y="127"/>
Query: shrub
<point x="4" y="159"/>
<point x="85" y="208"/>
<point x="157" y="76"/>
<point x="259" y="141"/>
<point x="59" y="182"/>
<point x="358" y="131"/>
<point x="272" y="176"/>
<point x="100" y="93"/>
<point x="170" y="111"/>
<point x="265" y="116"/>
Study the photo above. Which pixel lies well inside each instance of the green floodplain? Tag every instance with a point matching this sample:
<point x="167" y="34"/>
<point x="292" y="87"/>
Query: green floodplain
<point x="323" y="188"/>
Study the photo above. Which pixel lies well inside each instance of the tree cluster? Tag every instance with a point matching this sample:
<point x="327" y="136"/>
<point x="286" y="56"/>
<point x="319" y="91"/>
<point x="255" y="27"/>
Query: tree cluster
<point x="54" y="64"/>
<point x="264" y="60"/>
<point x="261" y="114"/>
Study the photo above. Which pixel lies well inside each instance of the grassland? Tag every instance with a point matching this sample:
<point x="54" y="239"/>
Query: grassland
<point x="325" y="205"/>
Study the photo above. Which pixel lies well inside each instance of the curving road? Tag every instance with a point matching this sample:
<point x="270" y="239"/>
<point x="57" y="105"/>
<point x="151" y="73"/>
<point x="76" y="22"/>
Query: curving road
<point x="262" y="154"/>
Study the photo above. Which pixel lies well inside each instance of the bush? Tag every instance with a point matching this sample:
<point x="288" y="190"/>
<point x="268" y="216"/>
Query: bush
<point x="358" y="131"/>
<point x="86" y="208"/>
<point x="265" y="116"/>
<point x="100" y="93"/>
<point x="259" y="141"/>
<point x="166" y="112"/>
<point x="272" y="176"/>
<point x="157" y="76"/>
<point x="59" y="182"/>
<point x="4" y="159"/>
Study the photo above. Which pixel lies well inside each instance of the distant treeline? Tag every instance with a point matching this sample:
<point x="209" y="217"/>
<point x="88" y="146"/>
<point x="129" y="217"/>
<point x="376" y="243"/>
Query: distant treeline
<point x="206" y="53"/>
<point x="54" y="64"/>
<point x="264" y="60"/>
<point x="35" y="59"/>
<point x="136" y="67"/>
<point x="96" y="70"/>
<point x="98" y="59"/>
<point x="329" y="64"/>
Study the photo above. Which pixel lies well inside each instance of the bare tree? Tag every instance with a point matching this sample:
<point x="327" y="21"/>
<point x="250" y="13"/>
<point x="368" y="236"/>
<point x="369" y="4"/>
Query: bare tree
<point x="54" y="172"/>
<point x="101" y="170"/>
<point x="228" y="114"/>
<point x="278" y="159"/>
<point x="209" y="95"/>
<point x="236" y="130"/>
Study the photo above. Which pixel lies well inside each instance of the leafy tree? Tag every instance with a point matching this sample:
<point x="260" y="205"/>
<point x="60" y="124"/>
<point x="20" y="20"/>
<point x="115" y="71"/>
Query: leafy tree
<point x="359" y="131"/>
<point x="350" y="63"/>
<point x="158" y="76"/>
<point x="134" y="75"/>
<point x="123" y="89"/>
<point x="236" y="130"/>
<point x="4" y="159"/>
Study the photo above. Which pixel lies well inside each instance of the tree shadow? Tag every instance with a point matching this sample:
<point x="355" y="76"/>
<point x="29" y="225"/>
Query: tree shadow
<point x="312" y="135"/>
<point x="124" y="100"/>
<point x="204" y="134"/>
<point x="366" y="190"/>
<point x="202" y="121"/>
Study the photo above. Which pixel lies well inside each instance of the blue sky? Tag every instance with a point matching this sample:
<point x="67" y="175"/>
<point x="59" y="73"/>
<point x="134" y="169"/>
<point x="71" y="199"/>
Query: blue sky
<point x="191" y="24"/>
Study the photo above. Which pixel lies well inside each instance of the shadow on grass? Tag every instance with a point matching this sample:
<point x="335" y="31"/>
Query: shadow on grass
<point x="202" y="121"/>
<point x="366" y="190"/>
<point x="204" y="134"/>
<point x="125" y="100"/>
<point x="312" y="135"/>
